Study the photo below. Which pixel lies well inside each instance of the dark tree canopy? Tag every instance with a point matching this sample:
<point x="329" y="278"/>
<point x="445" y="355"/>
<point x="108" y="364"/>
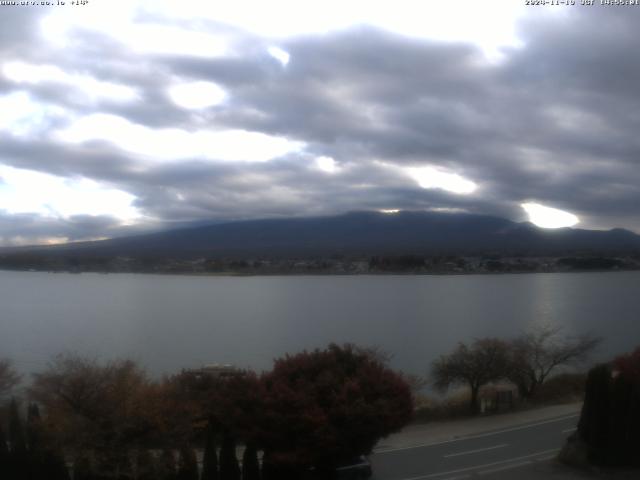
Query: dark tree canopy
<point x="237" y="406"/>
<point x="484" y="361"/>
<point x="327" y="406"/>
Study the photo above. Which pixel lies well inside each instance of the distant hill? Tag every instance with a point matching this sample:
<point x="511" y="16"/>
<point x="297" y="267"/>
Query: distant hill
<point x="358" y="233"/>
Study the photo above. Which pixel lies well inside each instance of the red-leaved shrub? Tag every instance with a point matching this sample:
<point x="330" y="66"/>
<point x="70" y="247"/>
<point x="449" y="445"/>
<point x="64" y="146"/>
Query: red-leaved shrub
<point x="628" y="367"/>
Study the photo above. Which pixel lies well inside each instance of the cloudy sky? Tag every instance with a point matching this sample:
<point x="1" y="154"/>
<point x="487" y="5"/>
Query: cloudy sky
<point x="124" y="116"/>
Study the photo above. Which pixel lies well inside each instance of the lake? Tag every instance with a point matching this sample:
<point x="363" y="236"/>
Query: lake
<point x="173" y="322"/>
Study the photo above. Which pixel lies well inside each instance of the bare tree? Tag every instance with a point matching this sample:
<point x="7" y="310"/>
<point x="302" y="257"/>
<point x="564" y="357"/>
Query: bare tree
<point x="484" y="361"/>
<point x="416" y="382"/>
<point x="9" y="378"/>
<point x="536" y="354"/>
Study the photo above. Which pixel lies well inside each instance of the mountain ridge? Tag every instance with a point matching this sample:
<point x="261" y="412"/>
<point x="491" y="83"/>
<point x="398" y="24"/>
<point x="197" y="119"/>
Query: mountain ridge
<point x="360" y="233"/>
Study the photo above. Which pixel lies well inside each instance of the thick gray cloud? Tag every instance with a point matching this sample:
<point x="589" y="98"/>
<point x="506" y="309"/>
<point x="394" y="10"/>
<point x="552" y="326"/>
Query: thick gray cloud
<point x="20" y="229"/>
<point x="554" y="121"/>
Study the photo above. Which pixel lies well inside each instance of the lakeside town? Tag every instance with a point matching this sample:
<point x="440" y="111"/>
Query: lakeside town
<point x="335" y="265"/>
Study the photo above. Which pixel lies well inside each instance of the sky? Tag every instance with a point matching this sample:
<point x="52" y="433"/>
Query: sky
<point x="118" y="117"/>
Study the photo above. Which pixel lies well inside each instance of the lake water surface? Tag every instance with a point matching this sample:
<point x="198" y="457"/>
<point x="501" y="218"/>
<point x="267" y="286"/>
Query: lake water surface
<point x="171" y="322"/>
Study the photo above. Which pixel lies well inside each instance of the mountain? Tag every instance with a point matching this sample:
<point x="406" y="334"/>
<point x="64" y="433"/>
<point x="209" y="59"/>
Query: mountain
<point x="359" y="234"/>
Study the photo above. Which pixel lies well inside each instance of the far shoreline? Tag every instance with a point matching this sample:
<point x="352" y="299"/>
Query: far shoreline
<point x="231" y="274"/>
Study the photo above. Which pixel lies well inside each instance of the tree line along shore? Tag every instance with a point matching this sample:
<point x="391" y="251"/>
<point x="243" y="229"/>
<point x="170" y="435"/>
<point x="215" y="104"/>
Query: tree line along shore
<point x="335" y="265"/>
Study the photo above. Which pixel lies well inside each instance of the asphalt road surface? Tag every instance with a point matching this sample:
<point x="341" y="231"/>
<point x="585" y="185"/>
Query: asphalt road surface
<point x="491" y="455"/>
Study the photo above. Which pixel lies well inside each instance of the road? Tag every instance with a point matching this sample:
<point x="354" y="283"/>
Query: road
<point x="490" y="455"/>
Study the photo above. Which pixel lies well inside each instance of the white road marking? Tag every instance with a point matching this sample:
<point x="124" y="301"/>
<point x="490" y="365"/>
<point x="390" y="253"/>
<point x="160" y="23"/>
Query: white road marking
<point x="506" y="467"/>
<point x="476" y="467"/>
<point x="475" y="451"/>
<point x="481" y="435"/>
<point x="546" y="458"/>
<point x="569" y="430"/>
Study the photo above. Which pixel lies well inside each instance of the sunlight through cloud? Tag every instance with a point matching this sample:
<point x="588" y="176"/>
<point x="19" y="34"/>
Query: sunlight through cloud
<point x="547" y="217"/>
<point x="89" y="87"/>
<point x="280" y="55"/>
<point x="29" y="191"/>
<point x="175" y="143"/>
<point x="431" y="177"/>
<point x="327" y="164"/>
<point x="197" y="95"/>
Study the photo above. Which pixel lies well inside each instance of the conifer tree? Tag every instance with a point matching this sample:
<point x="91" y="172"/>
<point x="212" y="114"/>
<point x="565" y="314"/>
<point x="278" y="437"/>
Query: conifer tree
<point x="4" y="455"/>
<point x="18" y="464"/>
<point x="55" y="466"/>
<point x="43" y="461"/>
<point x="210" y="458"/>
<point x="124" y="469"/>
<point x="229" y="468"/>
<point x="34" y="428"/>
<point x="16" y="433"/>
<point x="37" y="450"/>
<point x="35" y="458"/>
<point x="145" y="465"/>
<point x="167" y="465"/>
<point x="250" y="463"/>
<point x="187" y="464"/>
<point x="83" y="468"/>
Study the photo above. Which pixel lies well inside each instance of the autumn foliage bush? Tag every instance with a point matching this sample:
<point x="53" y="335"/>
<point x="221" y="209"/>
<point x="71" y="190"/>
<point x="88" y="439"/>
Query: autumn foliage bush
<point x="314" y="410"/>
<point x="326" y="407"/>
